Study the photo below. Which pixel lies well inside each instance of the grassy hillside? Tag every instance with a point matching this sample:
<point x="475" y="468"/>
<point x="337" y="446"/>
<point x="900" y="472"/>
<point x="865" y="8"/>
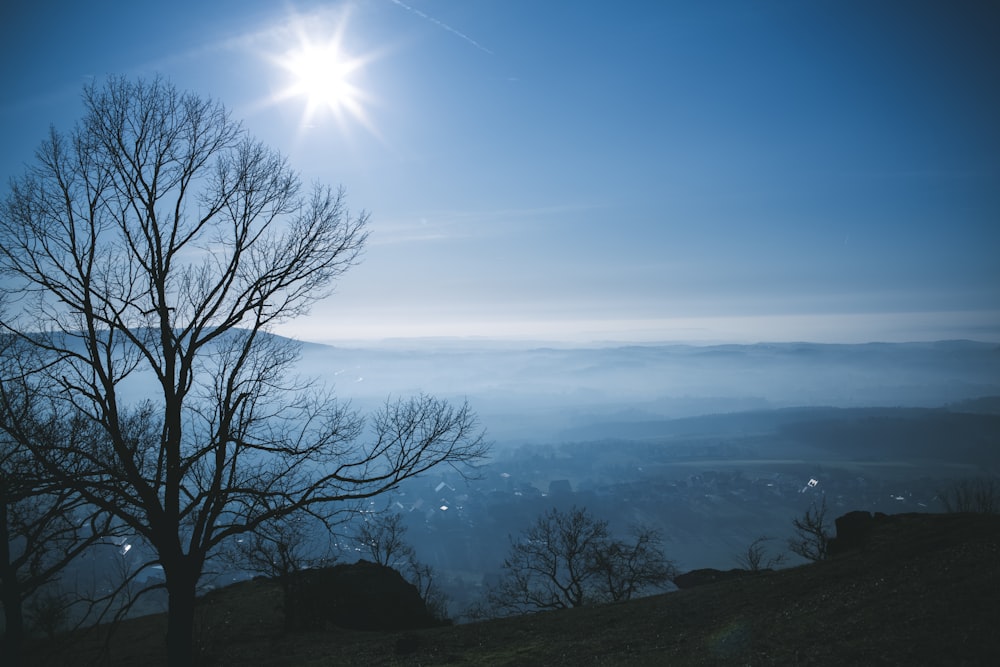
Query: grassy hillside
<point x="925" y="591"/>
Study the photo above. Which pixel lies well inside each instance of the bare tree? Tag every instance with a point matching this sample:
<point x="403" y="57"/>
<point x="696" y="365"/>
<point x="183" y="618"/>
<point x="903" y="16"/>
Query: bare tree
<point x="570" y="559"/>
<point x="812" y="533"/>
<point x="756" y="558"/>
<point x="425" y="579"/>
<point x="629" y="568"/>
<point x="280" y="547"/>
<point x="981" y="496"/>
<point x="152" y="250"/>
<point x="40" y="534"/>
<point x="381" y="538"/>
<point x="49" y="611"/>
<point x="44" y="523"/>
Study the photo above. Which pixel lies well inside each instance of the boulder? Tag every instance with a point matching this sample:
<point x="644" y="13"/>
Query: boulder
<point x="362" y="596"/>
<point x="854" y="530"/>
<point x="707" y="575"/>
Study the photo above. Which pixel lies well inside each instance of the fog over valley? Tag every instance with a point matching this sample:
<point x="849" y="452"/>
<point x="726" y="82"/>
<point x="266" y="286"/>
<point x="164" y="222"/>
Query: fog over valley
<point x="711" y="446"/>
<point x="539" y="394"/>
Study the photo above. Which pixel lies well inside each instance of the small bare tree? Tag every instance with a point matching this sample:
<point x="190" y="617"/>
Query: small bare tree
<point x="42" y="530"/>
<point x="44" y="523"/>
<point x="425" y="579"/>
<point x="812" y="533"/>
<point x="157" y="245"/>
<point x="980" y="496"/>
<point x="49" y="612"/>
<point x="626" y="569"/>
<point x="569" y="559"/>
<point x="280" y="547"/>
<point x="757" y="558"/>
<point x="381" y="538"/>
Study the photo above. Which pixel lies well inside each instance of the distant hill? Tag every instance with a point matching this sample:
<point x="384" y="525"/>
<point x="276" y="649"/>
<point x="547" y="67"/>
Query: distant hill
<point x="532" y="394"/>
<point x="535" y="393"/>
<point x="923" y="591"/>
<point x="988" y="405"/>
<point x="955" y="435"/>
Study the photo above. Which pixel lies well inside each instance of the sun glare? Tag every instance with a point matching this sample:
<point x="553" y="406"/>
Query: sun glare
<point x="320" y="73"/>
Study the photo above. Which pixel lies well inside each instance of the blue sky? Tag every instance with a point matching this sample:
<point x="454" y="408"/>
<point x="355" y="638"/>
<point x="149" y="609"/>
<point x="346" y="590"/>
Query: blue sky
<point x="580" y="171"/>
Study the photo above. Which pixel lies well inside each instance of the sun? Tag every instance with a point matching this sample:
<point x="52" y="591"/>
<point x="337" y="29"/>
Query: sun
<point x="321" y="74"/>
<point x="317" y="69"/>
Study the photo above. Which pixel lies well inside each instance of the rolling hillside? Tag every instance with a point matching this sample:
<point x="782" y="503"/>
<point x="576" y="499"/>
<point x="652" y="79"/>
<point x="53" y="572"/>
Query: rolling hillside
<point x="922" y="592"/>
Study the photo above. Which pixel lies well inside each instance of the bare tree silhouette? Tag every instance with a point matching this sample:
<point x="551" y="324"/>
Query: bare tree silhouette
<point x="382" y="537"/>
<point x="569" y="559"/>
<point x="978" y="495"/>
<point x="756" y="556"/>
<point x="158" y="240"/>
<point x="44" y="523"/>
<point x="812" y="533"/>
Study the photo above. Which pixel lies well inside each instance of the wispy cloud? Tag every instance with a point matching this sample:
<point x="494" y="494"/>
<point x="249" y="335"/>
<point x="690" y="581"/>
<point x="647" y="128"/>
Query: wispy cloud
<point x="442" y="25"/>
<point x="455" y="224"/>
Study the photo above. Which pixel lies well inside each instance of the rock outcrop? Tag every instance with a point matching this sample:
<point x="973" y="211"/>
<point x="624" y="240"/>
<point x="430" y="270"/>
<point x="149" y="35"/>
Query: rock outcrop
<point x="707" y="575"/>
<point x="362" y="596"/>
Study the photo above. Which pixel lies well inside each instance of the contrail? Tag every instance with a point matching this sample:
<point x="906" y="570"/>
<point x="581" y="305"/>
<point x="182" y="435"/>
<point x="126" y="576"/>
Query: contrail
<point x="442" y="25"/>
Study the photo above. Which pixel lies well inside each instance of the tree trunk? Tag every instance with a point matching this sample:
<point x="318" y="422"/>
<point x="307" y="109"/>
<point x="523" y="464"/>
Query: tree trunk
<point x="13" y="636"/>
<point x="180" y="616"/>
